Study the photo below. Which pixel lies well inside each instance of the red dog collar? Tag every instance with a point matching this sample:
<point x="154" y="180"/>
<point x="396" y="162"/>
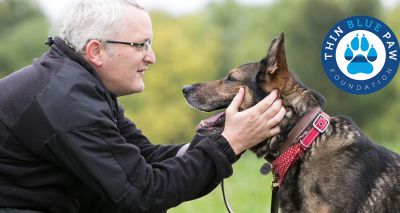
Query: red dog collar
<point x="286" y="160"/>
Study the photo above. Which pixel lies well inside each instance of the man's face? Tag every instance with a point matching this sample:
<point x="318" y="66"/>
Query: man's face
<point x="124" y="66"/>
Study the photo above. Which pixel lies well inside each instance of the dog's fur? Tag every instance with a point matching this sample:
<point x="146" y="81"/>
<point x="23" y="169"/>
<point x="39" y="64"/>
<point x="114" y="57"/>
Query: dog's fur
<point x="342" y="172"/>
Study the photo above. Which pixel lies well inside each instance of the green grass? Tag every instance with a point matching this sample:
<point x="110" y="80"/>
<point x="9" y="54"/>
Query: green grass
<point x="247" y="190"/>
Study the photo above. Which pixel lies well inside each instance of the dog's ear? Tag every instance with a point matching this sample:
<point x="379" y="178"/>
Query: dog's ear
<point x="276" y="57"/>
<point x="273" y="72"/>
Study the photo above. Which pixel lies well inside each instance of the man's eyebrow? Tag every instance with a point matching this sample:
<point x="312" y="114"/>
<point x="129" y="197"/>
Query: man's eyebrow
<point x="144" y="40"/>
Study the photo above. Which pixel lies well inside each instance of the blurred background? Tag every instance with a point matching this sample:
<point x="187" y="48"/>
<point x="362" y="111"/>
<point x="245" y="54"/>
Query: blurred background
<point x="198" y="41"/>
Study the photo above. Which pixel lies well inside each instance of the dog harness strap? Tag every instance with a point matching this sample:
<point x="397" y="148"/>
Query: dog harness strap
<point x="286" y="160"/>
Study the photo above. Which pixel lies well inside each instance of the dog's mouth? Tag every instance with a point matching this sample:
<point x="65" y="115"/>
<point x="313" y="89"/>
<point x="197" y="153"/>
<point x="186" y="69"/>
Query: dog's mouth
<point x="212" y="124"/>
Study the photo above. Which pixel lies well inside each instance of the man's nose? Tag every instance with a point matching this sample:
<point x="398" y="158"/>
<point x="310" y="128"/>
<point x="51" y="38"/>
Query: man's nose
<point x="150" y="57"/>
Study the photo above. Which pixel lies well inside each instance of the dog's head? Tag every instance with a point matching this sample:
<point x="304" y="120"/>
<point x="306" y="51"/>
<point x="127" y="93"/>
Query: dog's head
<point x="258" y="80"/>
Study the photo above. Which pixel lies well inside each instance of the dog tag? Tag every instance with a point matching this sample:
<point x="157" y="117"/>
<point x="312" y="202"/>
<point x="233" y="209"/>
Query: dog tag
<point x="265" y="169"/>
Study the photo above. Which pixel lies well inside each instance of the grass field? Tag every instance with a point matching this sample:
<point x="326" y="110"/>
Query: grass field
<point x="247" y="190"/>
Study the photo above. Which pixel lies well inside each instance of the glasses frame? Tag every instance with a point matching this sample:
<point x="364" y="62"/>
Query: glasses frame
<point x="144" y="46"/>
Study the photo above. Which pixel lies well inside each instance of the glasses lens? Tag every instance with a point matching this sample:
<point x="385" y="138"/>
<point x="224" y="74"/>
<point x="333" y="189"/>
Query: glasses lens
<point x="147" y="46"/>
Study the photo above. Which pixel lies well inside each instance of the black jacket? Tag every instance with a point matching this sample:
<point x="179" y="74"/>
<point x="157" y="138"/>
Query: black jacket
<point x="63" y="135"/>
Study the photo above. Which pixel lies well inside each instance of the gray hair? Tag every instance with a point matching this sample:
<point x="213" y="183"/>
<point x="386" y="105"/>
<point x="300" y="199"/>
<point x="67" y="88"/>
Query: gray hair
<point x="93" y="19"/>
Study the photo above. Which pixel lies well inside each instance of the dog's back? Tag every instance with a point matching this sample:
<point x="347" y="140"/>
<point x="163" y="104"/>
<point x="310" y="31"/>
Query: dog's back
<point x="343" y="172"/>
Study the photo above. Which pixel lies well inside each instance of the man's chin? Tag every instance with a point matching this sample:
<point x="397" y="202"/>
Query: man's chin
<point x="137" y="88"/>
<point x="128" y="92"/>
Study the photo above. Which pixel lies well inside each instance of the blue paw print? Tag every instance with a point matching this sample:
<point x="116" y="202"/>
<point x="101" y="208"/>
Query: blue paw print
<point x="361" y="63"/>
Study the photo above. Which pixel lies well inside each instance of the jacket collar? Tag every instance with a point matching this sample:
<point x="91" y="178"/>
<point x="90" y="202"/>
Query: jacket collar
<point x="61" y="47"/>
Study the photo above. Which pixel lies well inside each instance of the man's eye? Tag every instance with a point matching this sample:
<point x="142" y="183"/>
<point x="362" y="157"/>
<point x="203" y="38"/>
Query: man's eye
<point x="141" y="45"/>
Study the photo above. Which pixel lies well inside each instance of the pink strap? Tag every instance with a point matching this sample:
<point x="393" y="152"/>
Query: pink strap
<point x="287" y="159"/>
<point x="320" y="124"/>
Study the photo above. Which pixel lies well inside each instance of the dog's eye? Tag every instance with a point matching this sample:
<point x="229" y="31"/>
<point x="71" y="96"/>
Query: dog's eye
<point x="230" y="79"/>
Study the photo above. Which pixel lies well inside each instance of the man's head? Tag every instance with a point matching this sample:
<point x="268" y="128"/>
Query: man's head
<point x="95" y="28"/>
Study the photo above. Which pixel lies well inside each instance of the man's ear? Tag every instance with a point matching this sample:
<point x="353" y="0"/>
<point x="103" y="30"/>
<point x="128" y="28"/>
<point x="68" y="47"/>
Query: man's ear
<point x="276" y="57"/>
<point x="93" y="53"/>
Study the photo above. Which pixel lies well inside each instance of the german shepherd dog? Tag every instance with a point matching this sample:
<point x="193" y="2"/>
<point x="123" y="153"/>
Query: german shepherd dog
<point x="343" y="171"/>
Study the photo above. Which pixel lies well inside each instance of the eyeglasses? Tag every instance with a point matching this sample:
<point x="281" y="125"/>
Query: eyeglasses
<point x="144" y="46"/>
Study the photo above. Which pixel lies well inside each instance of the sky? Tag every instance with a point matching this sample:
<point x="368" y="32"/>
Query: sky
<point x="56" y="9"/>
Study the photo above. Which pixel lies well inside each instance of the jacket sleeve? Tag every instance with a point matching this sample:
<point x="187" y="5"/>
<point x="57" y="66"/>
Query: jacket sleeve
<point x="151" y="152"/>
<point x="116" y="170"/>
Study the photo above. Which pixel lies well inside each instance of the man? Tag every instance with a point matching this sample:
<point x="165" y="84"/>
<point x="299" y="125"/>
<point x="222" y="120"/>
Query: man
<point x="63" y="134"/>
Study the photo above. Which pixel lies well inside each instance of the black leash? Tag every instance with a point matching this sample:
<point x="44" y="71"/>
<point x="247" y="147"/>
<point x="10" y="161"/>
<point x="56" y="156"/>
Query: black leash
<point x="264" y="170"/>
<point x="228" y="207"/>
<point x="274" y="199"/>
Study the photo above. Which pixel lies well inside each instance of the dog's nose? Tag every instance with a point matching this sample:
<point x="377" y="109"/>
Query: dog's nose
<point x="187" y="88"/>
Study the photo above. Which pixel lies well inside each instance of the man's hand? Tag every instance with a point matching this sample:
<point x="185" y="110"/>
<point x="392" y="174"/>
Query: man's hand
<point x="247" y="128"/>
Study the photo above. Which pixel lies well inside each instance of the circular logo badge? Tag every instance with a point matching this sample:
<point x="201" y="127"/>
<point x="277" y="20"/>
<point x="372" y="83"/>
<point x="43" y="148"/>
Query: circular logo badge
<point x="360" y="54"/>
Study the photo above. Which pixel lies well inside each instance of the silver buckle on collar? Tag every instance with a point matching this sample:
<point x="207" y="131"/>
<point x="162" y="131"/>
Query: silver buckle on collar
<point x="321" y="125"/>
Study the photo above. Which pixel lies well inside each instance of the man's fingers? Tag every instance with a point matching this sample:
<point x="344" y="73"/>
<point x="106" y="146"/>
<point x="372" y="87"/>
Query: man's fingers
<point x="272" y="110"/>
<point x="274" y="131"/>
<point x="277" y="117"/>
<point x="264" y="104"/>
<point x="236" y="102"/>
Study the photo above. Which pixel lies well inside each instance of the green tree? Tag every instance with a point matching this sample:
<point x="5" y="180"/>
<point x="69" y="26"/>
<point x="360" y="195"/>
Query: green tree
<point x="243" y="32"/>
<point x="23" y="32"/>
<point x="385" y="127"/>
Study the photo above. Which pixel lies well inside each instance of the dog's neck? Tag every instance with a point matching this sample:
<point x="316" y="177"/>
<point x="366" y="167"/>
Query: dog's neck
<point x="298" y="102"/>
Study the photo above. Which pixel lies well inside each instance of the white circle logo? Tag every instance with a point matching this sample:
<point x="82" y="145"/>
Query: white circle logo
<point x="357" y="55"/>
